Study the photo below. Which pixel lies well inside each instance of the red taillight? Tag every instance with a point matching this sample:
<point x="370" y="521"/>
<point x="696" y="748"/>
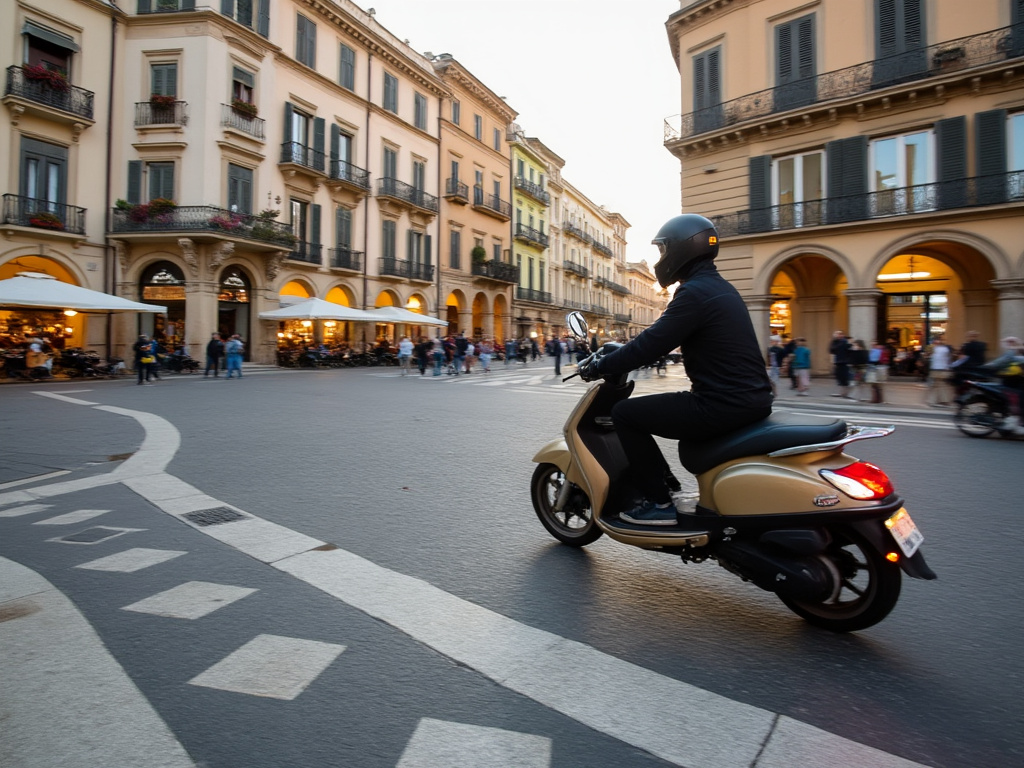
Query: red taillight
<point x="860" y="480"/>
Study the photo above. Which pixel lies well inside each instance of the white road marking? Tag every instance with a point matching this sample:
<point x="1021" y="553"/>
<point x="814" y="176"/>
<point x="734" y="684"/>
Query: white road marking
<point x="131" y="560"/>
<point x="191" y="600"/>
<point x="457" y="745"/>
<point x="78" y="516"/>
<point x="272" y="666"/>
<point x="29" y="509"/>
<point x="65" y="398"/>
<point x="35" y="479"/>
<point x="113" y="533"/>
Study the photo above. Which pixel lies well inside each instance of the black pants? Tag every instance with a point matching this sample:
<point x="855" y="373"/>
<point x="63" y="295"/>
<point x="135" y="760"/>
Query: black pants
<point x="558" y="365"/>
<point x="676" y="416"/>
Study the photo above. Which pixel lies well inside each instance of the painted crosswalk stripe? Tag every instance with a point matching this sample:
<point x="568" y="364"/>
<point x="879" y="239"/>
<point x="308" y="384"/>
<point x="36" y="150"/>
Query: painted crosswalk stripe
<point x="28" y="509"/>
<point x="458" y="745"/>
<point x="131" y="560"/>
<point x="34" y="479"/>
<point x="78" y="516"/>
<point x="272" y="666"/>
<point x="191" y="600"/>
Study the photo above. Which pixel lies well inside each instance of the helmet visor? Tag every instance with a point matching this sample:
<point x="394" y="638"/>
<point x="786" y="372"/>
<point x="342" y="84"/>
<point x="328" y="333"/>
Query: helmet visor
<point x="662" y="246"/>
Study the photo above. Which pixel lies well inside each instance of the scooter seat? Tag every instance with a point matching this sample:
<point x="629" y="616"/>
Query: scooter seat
<point x="776" y="432"/>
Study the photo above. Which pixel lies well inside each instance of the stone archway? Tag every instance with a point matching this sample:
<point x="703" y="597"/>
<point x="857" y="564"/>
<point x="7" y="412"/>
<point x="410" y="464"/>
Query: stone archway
<point x="501" y="312"/>
<point x="482" y="319"/>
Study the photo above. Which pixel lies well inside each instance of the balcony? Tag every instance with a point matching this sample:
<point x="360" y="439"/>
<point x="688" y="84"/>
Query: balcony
<point x="497" y="270"/>
<point x="234" y="120"/>
<point x="308" y="253"/>
<point x="573" y="231"/>
<point x="300" y="157"/>
<point x="950" y="57"/>
<point x="406" y="195"/>
<point x="620" y="318"/>
<point x="174" y="113"/>
<point x="47" y="95"/>
<point x="597" y="309"/>
<point x="602" y="248"/>
<point x="165" y="6"/>
<point x="531" y="235"/>
<point x="409" y="270"/>
<point x="576" y="269"/>
<point x="42" y="214"/>
<point x="905" y="201"/>
<point x="535" y="191"/>
<point x="580" y="305"/>
<point x="605" y="282"/>
<point x="141" y="222"/>
<point x="529" y="294"/>
<point x="345" y="258"/>
<point x="492" y="205"/>
<point x="350" y="174"/>
<point x="456" y="191"/>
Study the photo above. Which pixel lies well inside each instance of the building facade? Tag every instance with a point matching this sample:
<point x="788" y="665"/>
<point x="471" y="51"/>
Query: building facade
<point x="863" y="160"/>
<point x="537" y="314"/>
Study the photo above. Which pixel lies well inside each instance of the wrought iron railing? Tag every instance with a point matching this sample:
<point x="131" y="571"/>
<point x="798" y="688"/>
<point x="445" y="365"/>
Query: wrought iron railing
<point x="576" y="269"/>
<point x="310" y="253"/>
<point x="453" y="188"/>
<point x="581" y="305"/>
<point x="201" y="218"/>
<point x="931" y="61"/>
<point x="579" y="234"/>
<point x="65" y="97"/>
<point x="388" y="187"/>
<point x="529" y="294"/>
<point x="232" y="118"/>
<point x="497" y="270"/>
<point x="346" y="258"/>
<point x="148" y="113"/>
<point x="165" y="6"/>
<point x="605" y="249"/>
<point x="621" y="318"/>
<point x="531" y="235"/>
<point x="536" y="191"/>
<point x="409" y="269"/>
<point x="353" y="174"/>
<point x="598" y="309"/>
<point x="611" y="285"/>
<point x="491" y="203"/>
<point x="299" y="154"/>
<point x="903" y="201"/>
<point x="43" y="214"/>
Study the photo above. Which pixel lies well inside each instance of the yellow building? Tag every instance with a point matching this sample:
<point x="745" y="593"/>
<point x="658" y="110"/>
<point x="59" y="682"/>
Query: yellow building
<point x="863" y="160"/>
<point x="531" y="237"/>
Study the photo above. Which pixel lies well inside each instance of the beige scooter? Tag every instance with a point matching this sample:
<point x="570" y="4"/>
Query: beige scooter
<point x="780" y="505"/>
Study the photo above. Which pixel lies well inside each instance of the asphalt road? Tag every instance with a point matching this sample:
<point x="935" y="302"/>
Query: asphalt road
<point x="429" y="478"/>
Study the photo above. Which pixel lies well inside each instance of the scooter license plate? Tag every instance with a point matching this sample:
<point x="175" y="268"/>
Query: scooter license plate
<point x="905" y="532"/>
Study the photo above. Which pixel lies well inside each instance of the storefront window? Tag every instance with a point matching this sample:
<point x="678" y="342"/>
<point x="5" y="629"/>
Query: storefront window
<point x="164" y="283"/>
<point x="233" y="306"/>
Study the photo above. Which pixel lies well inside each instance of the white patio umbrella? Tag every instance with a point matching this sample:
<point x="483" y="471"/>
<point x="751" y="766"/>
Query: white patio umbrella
<point x="317" y="309"/>
<point x="400" y="315"/>
<point x="33" y="289"/>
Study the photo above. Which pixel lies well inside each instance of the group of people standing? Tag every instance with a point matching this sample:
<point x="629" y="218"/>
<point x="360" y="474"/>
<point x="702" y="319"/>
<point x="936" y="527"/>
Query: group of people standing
<point x="459" y="352"/>
<point x="148" y="352"/>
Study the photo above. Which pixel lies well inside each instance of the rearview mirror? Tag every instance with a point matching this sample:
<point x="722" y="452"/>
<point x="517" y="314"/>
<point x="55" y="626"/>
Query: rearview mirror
<point x="577" y="324"/>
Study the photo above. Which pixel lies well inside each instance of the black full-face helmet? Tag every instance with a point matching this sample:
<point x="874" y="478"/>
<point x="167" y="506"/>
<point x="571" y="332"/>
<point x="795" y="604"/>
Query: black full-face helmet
<point x="681" y="241"/>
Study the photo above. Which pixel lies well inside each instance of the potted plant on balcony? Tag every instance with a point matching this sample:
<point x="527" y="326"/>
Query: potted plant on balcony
<point x="51" y="78"/>
<point x="244" y="108"/>
<point x="478" y="254"/>
<point x="45" y="220"/>
<point x="161" y="101"/>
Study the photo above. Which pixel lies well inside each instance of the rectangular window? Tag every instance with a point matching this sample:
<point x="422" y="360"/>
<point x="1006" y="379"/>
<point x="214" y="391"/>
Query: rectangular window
<point x="497" y="139"/>
<point x="900" y="167"/>
<point x="387" y="237"/>
<point x="48" y="48"/>
<point x="347" y="76"/>
<point x="43" y="171"/>
<point x="794" y="64"/>
<point x="478" y="127"/>
<point x="798" y="186"/>
<point x="1015" y="144"/>
<point x="343" y="229"/>
<point x="496" y="251"/>
<point x="420" y="111"/>
<point x="243" y="84"/>
<point x="900" y="53"/>
<point x="455" y="248"/>
<point x="390" y="163"/>
<point x="163" y="79"/>
<point x="497" y="192"/>
<point x="455" y="170"/>
<point x="520" y="169"/>
<point x="161" y="180"/>
<point x="239" y="189"/>
<point x="300" y="219"/>
<point x="305" y="41"/>
<point x="707" y="90"/>
<point x="242" y="12"/>
<point x="456" y="112"/>
<point x="390" y="93"/>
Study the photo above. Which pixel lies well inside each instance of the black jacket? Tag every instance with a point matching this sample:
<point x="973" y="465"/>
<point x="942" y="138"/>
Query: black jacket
<point x="709" y="321"/>
<point x="214" y="348"/>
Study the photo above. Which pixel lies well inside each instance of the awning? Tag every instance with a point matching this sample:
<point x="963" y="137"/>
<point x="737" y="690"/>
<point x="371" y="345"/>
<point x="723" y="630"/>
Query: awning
<point x="400" y="315"/>
<point x="317" y="309"/>
<point x="50" y="36"/>
<point x="33" y="289"/>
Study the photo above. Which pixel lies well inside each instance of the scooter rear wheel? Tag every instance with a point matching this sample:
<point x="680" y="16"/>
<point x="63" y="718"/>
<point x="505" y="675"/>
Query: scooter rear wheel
<point x="574" y="525"/>
<point x="975" y="417"/>
<point x="867" y="589"/>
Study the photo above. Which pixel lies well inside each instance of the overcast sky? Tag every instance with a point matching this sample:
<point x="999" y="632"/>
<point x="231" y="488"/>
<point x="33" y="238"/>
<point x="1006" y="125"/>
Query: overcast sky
<point x="592" y="79"/>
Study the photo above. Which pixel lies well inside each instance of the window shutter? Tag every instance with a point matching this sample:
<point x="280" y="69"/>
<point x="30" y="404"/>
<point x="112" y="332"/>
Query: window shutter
<point x="1017" y="33"/>
<point x="145" y="6"/>
<point x="300" y="39"/>
<point x="343" y="229"/>
<point x="134" y="182"/>
<point x="794" y="64"/>
<point x="427" y="256"/>
<point x="805" y="46"/>
<point x="951" y="141"/>
<point x="188" y="5"/>
<point x="245" y="78"/>
<point x="847" y="179"/>
<point x="310" y="43"/>
<point x="707" y="92"/>
<point x="227" y="7"/>
<point x="335" y="145"/>
<point x="161" y="181"/>
<point x="760" y="194"/>
<point x="348" y="67"/>
<point x="318" y="143"/>
<point x="263" y="20"/>
<point x="990" y="156"/>
<point x="314" y="224"/>
<point x="288" y="109"/>
<point x="784" y="57"/>
<point x="409" y="245"/>
<point x="453" y="256"/>
<point x="885" y="28"/>
<point x="900" y="36"/>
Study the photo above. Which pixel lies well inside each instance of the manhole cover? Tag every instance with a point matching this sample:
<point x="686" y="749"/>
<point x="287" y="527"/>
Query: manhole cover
<point x="93" y="535"/>
<point x="215" y="516"/>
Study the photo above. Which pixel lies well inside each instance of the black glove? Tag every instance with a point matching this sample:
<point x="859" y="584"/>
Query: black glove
<point x="589" y="368"/>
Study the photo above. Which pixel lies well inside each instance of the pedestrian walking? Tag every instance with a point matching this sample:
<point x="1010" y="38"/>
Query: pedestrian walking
<point x="461" y="345"/>
<point x="939" y="358"/>
<point x="859" y="362"/>
<point x="470" y="356"/>
<point x="142" y="351"/>
<point x="214" y="352"/>
<point x="156" y="350"/>
<point x="510" y="351"/>
<point x="789" y="344"/>
<point x="839" y="349"/>
<point x="234" y="349"/>
<point x="422" y="352"/>
<point x="438" y="354"/>
<point x="879" y="358"/>
<point x="802" y="365"/>
<point x="405" y="354"/>
<point x="554" y="349"/>
<point x="486" y="350"/>
<point x="776" y="355"/>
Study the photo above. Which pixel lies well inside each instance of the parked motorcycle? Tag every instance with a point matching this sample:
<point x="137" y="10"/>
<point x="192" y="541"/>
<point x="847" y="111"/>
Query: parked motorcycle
<point x="780" y="505"/>
<point x="179" y="363"/>
<point x="982" y="408"/>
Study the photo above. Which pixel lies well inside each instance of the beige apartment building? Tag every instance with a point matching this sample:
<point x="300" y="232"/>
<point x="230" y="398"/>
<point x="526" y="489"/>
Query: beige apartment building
<point x="477" y="276"/>
<point x="646" y="300"/>
<point x="55" y="143"/>
<point x="863" y="160"/>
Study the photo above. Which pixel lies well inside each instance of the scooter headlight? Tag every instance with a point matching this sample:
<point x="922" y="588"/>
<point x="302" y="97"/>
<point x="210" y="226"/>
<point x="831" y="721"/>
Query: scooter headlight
<point x="860" y="480"/>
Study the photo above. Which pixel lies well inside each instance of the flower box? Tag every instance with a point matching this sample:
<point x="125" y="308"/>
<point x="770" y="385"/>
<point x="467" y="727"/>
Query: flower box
<point x="45" y="220"/>
<point x="244" y="108"/>
<point x="159" y="100"/>
<point x="48" y="77"/>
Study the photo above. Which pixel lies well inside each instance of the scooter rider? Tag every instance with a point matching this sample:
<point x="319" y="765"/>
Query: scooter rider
<point x="729" y="383"/>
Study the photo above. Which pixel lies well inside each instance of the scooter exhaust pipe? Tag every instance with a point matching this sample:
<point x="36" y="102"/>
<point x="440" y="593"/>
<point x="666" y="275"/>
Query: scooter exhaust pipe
<point x="799" y="578"/>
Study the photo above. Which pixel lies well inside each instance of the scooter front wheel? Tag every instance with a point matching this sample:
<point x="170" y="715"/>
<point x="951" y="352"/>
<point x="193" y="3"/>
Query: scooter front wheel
<point x="574" y="524"/>
<point x="866" y="588"/>
<point x="976" y="418"/>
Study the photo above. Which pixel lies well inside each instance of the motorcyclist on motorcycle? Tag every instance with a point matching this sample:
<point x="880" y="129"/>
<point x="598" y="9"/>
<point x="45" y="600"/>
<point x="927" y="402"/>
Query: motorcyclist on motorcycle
<point x="729" y="383"/>
<point x="1009" y="367"/>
